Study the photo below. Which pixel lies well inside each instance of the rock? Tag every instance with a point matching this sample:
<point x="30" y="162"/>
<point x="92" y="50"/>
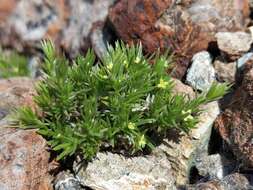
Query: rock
<point x="235" y="124"/>
<point x="201" y="74"/>
<point x="243" y="60"/>
<point x="177" y="25"/>
<point x="24" y="161"/>
<point x="113" y="171"/>
<point x="234" y="44"/>
<point x="66" y="181"/>
<point x="234" y="181"/>
<point x="16" y="92"/>
<point x="25" y="23"/>
<point x="225" y="72"/>
<point x="181" y="88"/>
<point x="214" y="166"/>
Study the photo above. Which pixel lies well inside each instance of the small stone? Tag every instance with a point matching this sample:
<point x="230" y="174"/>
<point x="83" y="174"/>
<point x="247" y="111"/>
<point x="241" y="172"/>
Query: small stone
<point x="244" y="59"/>
<point x="183" y="89"/>
<point x="66" y="181"/>
<point x="214" y="166"/>
<point x="234" y="181"/>
<point x="225" y="72"/>
<point x="234" y="44"/>
<point x="201" y="74"/>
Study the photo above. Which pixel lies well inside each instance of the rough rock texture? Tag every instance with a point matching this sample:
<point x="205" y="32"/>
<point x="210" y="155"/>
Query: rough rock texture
<point x="185" y="27"/>
<point x="69" y="23"/>
<point x="201" y="74"/>
<point x="66" y="181"/>
<point x="234" y="181"/>
<point x="214" y="166"/>
<point x="113" y="171"/>
<point x="243" y="60"/>
<point x="234" y="44"/>
<point x="15" y="92"/>
<point x="225" y="72"/>
<point x="24" y="161"/>
<point x="181" y="88"/>
<point x="236" y="123"/>
<point x="184" y="150"/>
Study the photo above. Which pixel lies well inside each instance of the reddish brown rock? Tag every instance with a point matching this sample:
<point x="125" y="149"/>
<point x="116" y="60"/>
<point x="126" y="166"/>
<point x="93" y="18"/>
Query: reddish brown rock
<point x="24" y="161"/>
<point x="185" y="28"/>
<point x="230" y="182"/>
<point x="236" y="123"/>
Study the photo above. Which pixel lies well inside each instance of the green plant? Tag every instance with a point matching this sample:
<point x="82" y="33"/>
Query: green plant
<point x="12" y="65"/>
<point x="116" y="103"/>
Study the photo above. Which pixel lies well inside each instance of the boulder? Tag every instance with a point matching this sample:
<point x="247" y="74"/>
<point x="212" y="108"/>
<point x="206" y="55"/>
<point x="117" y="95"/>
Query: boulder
<point x="235" y="124"/>
<point x="113" y="171"/>
<point x="234" y="44"/>
<point x="225" y="72"/>
<point x="24" y="160"/>
<point x="201" y="74"/>
<point x="214" y="166"/>
<point x="234" y="181"/>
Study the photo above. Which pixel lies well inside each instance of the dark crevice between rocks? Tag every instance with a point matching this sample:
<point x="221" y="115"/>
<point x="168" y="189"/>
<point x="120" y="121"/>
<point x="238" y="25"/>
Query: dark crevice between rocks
<point x="194" y="175"/>
<point x="215" y="143"/>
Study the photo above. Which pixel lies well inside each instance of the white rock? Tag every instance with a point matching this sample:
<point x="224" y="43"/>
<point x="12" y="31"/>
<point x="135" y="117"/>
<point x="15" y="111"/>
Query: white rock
<point x="113" y="171"/>
<point x="234" y="43"/>
<point x="201" y="73"/>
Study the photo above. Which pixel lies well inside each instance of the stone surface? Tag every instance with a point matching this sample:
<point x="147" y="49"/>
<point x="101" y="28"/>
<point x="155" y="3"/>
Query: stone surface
<point x="234" y="44"/>
<point x="112" y="171"/>
<point x="225" y="72"/>
<point x="16" y="92"/>
<point x="235" y="124"/>
<point x="181" y="88"/>
<point x="234" y="181"/>
<point x="214" y="166"/>
<point x="66" y="181"/>
<point x="24" y="161"/>
<point x="243" y="60"/>
<point x="69" y="23"/>
<point x="201" y="74"/>
<point x="185" y="27"/>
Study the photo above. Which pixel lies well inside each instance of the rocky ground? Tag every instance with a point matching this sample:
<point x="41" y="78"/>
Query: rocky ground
<point x="211" y="41"/>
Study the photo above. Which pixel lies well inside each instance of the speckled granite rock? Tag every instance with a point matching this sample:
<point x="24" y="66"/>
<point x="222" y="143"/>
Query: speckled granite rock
<point x="24" y="161"/>
<point x="234" y="181"/>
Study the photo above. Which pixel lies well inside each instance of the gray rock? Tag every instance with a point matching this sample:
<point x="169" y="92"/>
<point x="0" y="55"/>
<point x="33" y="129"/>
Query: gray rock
<point x="113" y="171"/>
<point x="234" y="44"/>
<point x="242" y="60"/>
<point x="234" y="181"/>
<point x="214" y="166"/>
<point x="66" y="181"/>
<point x="225" y="72"/>
<point x="201" y="74"/>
